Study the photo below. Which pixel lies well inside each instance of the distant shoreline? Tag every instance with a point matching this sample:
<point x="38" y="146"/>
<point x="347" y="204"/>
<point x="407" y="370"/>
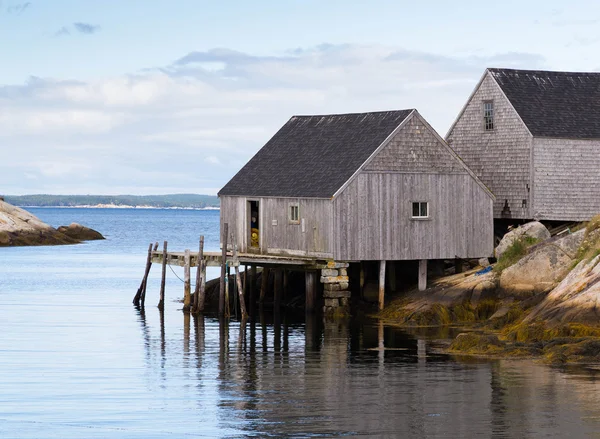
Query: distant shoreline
<point x="114" y="206"/>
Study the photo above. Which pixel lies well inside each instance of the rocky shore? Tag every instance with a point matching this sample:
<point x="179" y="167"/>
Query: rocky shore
<point x="20" y="228"/>
<point x="542" y="298"/>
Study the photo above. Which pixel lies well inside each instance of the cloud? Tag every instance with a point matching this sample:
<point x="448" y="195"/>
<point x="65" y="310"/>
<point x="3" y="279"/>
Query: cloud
<point x="86" y="28"/>
<point x="18" y="8"/>
<point x="81" y="28"/>
<point x="194" y="122"/>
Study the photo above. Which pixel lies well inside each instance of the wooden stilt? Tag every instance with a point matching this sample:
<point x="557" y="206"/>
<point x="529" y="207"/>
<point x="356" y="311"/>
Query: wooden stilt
<point x="138" y="295"/>
<point x="362" y="280"/>
<point x="284" y="286"/>
<point x="277" y="289"/>
<point x="223" y="269"/>
<point x="239" y="284"/>
<point x="422" y="274"/>
<point x="252" y="288"/>
<point x="246" y="281"/>
<point x="163" y="278"/>
<point x="202" y="296"/>
<point x="310" y="279"/>
<point x="199" y="275"/>
<point x="391" y="270"/>
<point x="264" y="284"/>
<point x="381" y="284"/>
<point x="227" y="303"/>
<point x="187" y="291"/>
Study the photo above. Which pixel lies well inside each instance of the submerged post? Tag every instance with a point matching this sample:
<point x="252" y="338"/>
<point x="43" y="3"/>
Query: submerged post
<point x="239" y="284"/>
<point x="163" y="278"/>
<point x="223" y="269"/>
<point x="310" y="279"/>
<point x="381" y="284"/>
<point x="187" y="291"/>
<point x="422" y="274"/>
<point x="264" y="283"/>
<point x="199" y="275"/>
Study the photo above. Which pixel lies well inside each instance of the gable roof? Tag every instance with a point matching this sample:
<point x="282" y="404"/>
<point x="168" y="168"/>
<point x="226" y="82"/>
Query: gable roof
<point x="554" y="104"/>
<point x="313" y="156"/>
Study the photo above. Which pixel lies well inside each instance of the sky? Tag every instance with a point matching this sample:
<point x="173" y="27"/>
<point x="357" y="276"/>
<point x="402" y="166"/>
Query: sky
<point x="174" y="96"/>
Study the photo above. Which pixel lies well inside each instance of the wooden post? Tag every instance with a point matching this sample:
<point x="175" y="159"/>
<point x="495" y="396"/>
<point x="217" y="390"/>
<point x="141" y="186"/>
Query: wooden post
<point x="285" y="285"/>
<point x="458" y="266"/>
<point x="199" y="275"/>
<point x="143" y="298"/>
<point x="252" y="286"/>
<point x="422" y="274"/>
<point x="381" y="284"/>
<point x="239" y="284"/>
<point x="310" y="280"/>
<point x="277" y="289"/>
<point x="163" y="278"/>
<point x="391" y="269"/>
<point x="245" y="281"/>
<point x="187" y="290"/>
<point x="264" y="283"/>
<point x="202" y="297"/>
<point x="362" y="280"/>
<point x="138" y="295"/>
<point x="223" y="269"/>
<point x="227" y="276"/>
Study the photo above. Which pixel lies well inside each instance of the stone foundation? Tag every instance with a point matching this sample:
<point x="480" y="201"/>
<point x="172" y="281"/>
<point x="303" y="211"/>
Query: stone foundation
<point x="336" y="284"/>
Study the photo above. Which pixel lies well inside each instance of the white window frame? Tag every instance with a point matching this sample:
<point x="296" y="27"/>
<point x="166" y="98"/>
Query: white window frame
<point x="294" y="213"/>
<point x="489" y="119"/>
<point x="419" y="216"/>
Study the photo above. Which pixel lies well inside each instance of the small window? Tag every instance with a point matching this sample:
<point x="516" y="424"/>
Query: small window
<point x="294" y="214"/>
<point x="420" y="209"/>
<point x="488" y="115"/>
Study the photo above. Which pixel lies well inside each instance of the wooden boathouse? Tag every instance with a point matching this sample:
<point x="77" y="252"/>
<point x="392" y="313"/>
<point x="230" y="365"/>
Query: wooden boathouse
<point x="533" y="137"/>
<point x="350" y="188"/>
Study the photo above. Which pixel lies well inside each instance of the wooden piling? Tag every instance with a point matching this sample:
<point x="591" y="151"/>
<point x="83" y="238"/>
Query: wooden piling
<point x="264" y="284"/>
<point x="227" y="277"/>
<point x="422" y="274"/>
<point x="391" y="272"/>
<point x="223" y="269"/>
<point x="163" y="277"/>
<point x="199" y="268"/>
<point x="278" y="282"/>
<point x="239" y="285"/>
<point x="362" y="280"/>
<point x="310" y="279"/>
<point x="187" y="291"/>
<point x="381" y="284"/>
<point x="138" y="295"/>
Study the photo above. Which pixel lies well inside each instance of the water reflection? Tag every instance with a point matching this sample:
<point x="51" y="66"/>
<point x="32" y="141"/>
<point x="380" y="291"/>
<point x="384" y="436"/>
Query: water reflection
<point x="284" y="377"/>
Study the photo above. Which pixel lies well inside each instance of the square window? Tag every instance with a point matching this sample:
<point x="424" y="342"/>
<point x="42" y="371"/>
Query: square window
<point x="488" y="115"/>
<point x="420" y="209"/>
<point x="294" y="214"/>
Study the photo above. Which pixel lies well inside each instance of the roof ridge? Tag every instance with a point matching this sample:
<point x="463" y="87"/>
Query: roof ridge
<point x="541" y="71"/>
<point x="407" y="110"/>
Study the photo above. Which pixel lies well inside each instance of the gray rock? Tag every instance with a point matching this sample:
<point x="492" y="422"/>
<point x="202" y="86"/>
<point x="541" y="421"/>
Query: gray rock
<point x="543" y="268"/>
<point x="533" y="229"/>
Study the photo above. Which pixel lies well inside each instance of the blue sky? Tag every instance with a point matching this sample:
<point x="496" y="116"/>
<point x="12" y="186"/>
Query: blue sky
<point x="174" y="96"/>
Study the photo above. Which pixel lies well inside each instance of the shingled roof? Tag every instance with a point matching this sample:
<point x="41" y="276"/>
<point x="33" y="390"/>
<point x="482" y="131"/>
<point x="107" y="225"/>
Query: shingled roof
<point x="554" y="104"/>
<point x="313" y="156"/>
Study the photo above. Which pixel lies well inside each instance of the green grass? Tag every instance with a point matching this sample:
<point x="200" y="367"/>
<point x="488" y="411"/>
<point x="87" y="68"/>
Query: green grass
<point x="514" y="253"/>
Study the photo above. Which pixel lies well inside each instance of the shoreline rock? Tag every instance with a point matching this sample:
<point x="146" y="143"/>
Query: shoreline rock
<point x="21" y="228"/>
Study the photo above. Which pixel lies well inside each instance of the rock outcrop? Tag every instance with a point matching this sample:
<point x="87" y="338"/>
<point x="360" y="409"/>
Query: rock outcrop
<point x="534" y="229"/>
<point x="20" y="228"/>
<point x="542" y="269"/>
<point x="79" y="232"/>
<point x="576" y="299"/>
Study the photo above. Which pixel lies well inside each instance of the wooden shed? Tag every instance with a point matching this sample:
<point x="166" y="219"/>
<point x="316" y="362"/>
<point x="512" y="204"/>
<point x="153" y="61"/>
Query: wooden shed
<point x="380" y="186"/>
<point x="533" y="137"/>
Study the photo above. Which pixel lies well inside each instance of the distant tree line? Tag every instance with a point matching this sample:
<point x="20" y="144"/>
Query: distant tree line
<point x="161" y="201"/>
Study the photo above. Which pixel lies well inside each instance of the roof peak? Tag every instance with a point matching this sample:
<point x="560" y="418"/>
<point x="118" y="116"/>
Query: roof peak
<point x="361" y="113"/>
<point x="524" y="71"/>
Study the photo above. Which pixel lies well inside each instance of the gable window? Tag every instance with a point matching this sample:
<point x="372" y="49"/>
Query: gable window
<point x="294" y="213"/>
<point x="420" y="209"/>
<point x="488" y="115"/>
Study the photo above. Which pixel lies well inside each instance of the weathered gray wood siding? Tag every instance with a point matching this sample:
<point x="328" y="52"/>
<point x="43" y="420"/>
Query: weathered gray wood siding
<point x="566" y="179"/>
<point x="312" y="237"/>
<point x="500" y="158"/>
<point x="373" y="213"/>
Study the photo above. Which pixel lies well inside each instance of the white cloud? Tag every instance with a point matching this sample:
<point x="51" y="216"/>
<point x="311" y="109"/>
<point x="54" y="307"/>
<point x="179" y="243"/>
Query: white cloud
<point x="173" y="124"/>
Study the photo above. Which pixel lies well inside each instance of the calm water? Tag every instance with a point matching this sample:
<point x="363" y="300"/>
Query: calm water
<point x="77" y="360"/>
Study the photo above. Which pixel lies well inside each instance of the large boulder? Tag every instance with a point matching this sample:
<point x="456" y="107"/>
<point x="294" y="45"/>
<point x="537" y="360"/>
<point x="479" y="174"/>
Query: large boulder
<point x="542" y="268"/>
<point x="79" y="232"/>
<point x="576" y="299"/>
<point x="533" y="229"/>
